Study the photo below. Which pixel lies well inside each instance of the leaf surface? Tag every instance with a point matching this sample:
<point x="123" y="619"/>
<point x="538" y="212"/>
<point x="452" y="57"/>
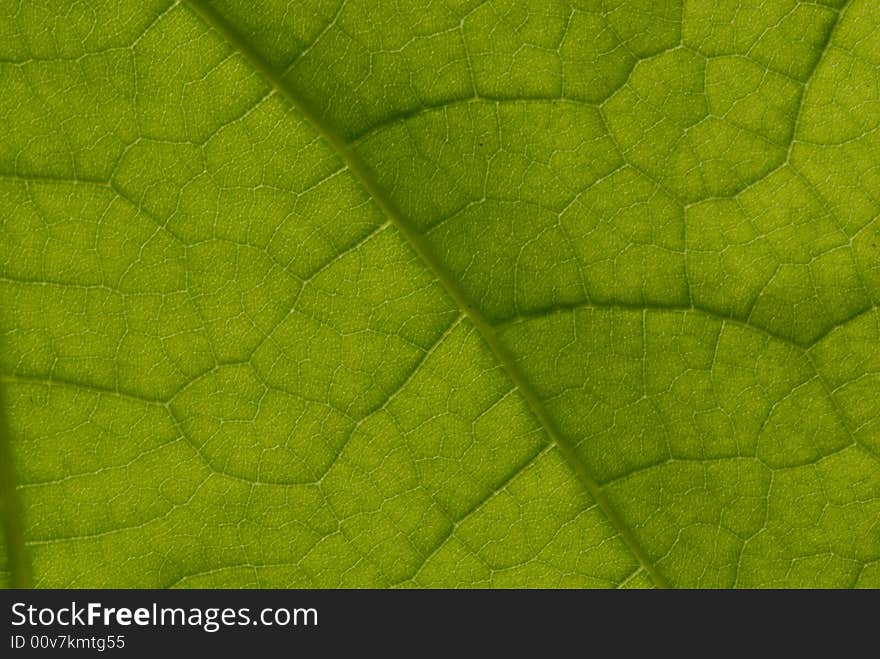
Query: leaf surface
<point x="510" y="293"/>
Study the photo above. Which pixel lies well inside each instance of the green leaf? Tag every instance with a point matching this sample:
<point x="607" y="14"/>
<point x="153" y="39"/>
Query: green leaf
<point x="509" y="293"/>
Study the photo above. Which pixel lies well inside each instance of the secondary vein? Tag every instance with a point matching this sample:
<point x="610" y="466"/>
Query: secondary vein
<point x="420" y="246"/>
<point x="10" y="509"/>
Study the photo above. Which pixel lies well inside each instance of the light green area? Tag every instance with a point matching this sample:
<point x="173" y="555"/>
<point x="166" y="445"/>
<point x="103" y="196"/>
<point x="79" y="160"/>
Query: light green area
<point x="517" y="293"/>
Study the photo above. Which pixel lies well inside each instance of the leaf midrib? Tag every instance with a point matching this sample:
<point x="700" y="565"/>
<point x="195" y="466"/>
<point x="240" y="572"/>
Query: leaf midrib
<point x="417" y="243"/>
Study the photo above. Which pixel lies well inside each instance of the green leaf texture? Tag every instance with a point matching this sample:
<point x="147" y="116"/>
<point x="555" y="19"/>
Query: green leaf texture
<point x="500" y="293"/>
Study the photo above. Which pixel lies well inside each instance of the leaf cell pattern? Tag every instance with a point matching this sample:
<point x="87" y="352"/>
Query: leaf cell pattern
<point x="346" y="293"/>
